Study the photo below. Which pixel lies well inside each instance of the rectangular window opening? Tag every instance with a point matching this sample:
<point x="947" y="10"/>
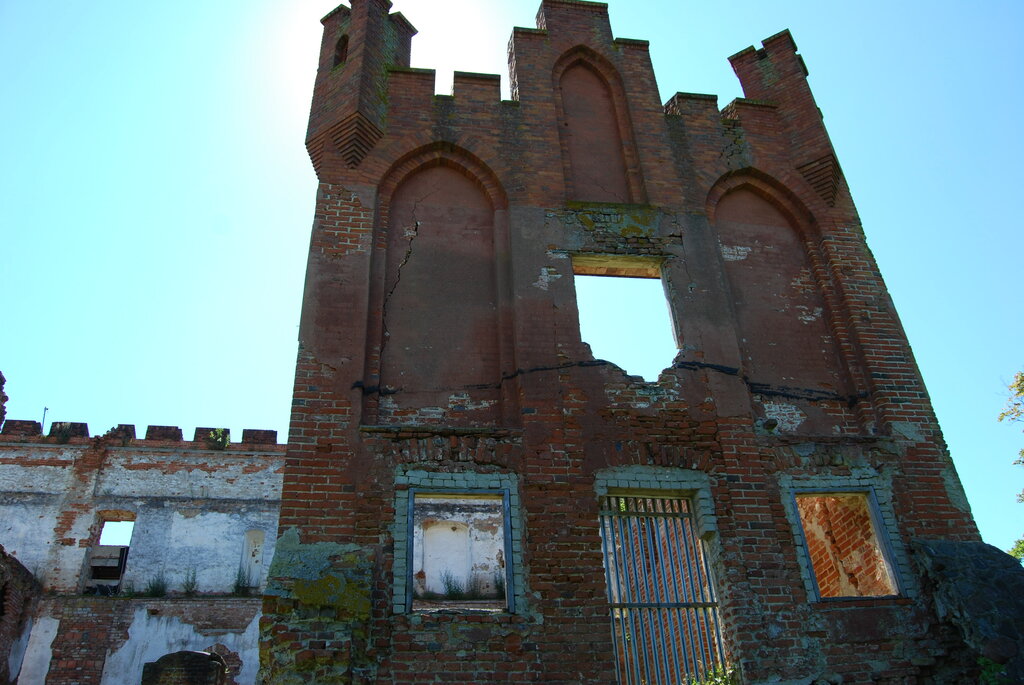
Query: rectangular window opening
<point x="665" y="620"/>
<point x="624" y="314"/>
<point x="847" y="557"/>
<point x="108" y="557"/>
<point x="460" y="549"/>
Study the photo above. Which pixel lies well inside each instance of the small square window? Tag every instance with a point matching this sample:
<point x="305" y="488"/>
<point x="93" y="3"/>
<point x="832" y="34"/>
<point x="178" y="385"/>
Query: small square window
<point x="107" y="558"/>
<point x="460" y="550"/>
<point x="847" y="555"/>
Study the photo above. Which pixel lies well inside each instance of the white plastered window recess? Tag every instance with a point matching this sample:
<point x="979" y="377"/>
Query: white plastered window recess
<point x="457" y="538"/>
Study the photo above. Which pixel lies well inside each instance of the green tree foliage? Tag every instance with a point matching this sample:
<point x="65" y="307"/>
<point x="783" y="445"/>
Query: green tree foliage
<point x="1015" y="412"/>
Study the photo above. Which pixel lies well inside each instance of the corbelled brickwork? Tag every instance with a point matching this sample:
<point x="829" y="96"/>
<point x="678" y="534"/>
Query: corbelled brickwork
<point x="468" y="495"/>
<point x="440" y="337"/>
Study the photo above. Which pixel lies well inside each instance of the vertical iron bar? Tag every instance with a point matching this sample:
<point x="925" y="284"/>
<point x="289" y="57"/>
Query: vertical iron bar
<point x="665" y="553"/>
<point x="623" y="580"/>
<point x="606" y="545"/>
<point x="639" y="642"/>
<point x="656" y="576"/>
<point x="672" y="533"/>
<point x="690" y="595"/>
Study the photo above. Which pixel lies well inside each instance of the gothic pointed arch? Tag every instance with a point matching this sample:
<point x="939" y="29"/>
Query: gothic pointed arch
<point x="784" y="307"/>
<point x="441" y="233"/>
<point x="596" y="134"/>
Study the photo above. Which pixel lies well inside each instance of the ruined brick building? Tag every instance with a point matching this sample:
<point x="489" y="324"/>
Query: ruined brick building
<point x="467" y="494"/>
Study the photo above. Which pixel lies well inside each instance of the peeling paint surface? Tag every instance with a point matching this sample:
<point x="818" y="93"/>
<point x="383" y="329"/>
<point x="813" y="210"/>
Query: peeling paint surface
<point x="150" y="637"/>
<point x="735" y="253"/>
<point x="788" y="416"/>
<point x="548" y="274"/>
<point x="36" y="663"/>
<point x="192" y="509"/>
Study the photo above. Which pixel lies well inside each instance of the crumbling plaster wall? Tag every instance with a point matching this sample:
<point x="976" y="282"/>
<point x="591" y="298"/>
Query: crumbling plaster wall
<point x="151" y="636"/>
<point x="192" y="508"/>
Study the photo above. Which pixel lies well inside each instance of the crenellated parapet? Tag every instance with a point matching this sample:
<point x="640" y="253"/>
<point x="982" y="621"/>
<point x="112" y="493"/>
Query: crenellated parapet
<point x="124" y="434"/>
<point x="442" y="366"/>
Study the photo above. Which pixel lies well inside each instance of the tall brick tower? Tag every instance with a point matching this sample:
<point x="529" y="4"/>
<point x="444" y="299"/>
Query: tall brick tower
<point x="470" y="496"/>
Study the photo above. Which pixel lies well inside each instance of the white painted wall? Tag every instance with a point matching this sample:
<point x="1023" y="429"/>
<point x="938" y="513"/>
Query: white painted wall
<point x="26" y="528"/>
<point x="462" y="536"/>
<point x="192" y="507"/>
<point x="170" y="539"/>
<point x="151" y="637"/>
<point x="17" y="654"/>
<point x="36" y="662"/>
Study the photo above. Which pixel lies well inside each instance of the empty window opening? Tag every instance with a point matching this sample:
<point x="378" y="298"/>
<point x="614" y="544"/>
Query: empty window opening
<point x="459" y="551"/>
<point x="341" y="50"/>
<point x="665" y="622"/>
<point x="108" y="557"/>
<point x="117" y="533"/>
<point x="624" y="314"/>
<point x="846" y="554"/>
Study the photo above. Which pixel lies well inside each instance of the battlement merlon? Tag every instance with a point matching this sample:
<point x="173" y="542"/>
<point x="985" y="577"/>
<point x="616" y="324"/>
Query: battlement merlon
<point x="776" y="66"/>
<point x="74" y="432"/>
<point x="578" y="19"/>
<point x="776" y="74"/>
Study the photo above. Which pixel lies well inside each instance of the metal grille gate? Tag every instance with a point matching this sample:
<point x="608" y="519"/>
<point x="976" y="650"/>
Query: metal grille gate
<point x="665" y="624"/>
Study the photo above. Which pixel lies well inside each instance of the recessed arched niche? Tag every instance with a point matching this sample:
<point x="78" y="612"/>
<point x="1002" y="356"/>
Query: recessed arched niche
<point x="440" y="351"/>
<point x="784" y="328"/>
<point x="594" y="129"/>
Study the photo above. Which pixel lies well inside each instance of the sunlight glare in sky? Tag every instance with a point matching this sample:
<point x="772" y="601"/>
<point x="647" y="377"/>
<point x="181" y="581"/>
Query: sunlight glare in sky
<point x="626" y="321"/>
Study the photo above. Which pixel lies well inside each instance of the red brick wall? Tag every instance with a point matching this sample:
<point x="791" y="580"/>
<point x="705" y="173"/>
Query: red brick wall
<point x="19" y="592"/>
<point x="848" y="371"/>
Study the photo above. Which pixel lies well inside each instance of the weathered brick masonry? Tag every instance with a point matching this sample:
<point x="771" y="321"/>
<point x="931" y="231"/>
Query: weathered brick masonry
<point x="204" y="515"/>
<point x="468" y="495"/>
<point x="440" y="350"/>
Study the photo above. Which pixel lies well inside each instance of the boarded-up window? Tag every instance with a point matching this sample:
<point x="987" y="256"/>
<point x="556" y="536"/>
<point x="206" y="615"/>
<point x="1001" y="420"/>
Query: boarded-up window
<point x="847" y="556"/>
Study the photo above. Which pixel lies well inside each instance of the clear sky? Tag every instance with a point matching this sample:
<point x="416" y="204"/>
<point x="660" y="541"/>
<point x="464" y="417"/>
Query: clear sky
<point x="156" y="198"/>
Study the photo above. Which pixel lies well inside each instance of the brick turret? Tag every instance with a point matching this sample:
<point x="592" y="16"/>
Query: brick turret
<point x="349" y="107"/>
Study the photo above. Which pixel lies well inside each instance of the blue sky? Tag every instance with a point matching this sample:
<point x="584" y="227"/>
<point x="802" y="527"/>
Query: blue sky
<point x="156" y="198"/>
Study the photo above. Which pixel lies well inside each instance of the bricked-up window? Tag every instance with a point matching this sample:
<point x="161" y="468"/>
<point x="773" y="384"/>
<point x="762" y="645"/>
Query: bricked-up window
<point x="623" y="312"/>
<point x="108" y="557"/>
<point x="459" y="551"/>
<point x="665" y="622"/>
<point x="847" y="555"/>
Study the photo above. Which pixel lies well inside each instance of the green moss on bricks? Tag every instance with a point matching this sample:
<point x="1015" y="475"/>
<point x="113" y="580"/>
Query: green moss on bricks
<point x="625" y="220"/>
<point x="319" y="587"/>
<point x="351" y="601"/>
<point x="294" y="560"/>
